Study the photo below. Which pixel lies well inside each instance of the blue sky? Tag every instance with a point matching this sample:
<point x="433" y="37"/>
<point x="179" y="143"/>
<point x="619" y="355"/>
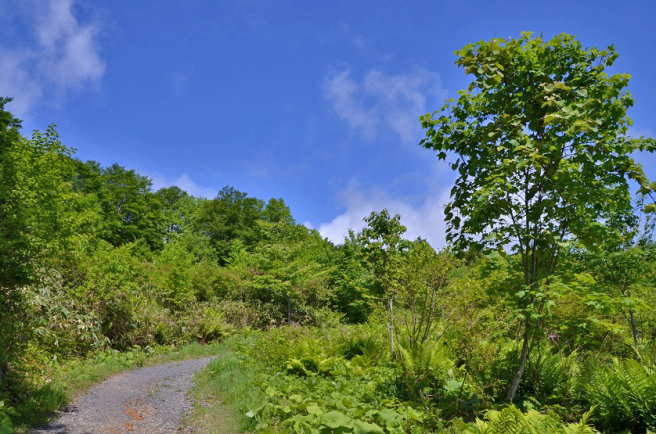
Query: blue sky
<point x="314" y="102"/>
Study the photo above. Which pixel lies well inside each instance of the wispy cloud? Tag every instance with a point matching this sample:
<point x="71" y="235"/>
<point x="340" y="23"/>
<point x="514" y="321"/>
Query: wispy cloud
<point x="424" y="219"/>
<point x="64" y="56"/>
<point x="638" y="132"/>
<point x="380" y="104"/>
<point x="185" y="183"/>
<point x="357" y="40"/>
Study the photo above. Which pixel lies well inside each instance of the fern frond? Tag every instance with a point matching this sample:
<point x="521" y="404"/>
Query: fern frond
<point x="510" y="420"/>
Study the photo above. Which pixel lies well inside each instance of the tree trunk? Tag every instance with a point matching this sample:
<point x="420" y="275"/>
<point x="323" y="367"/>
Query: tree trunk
<point x="391" y="325"/>
<point x="635" y="334"/>
<point x="526" y="350"/>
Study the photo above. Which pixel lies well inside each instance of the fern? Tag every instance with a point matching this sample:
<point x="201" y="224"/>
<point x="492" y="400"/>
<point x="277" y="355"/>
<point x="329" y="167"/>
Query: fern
<point x="552" y="376"/>
<point x="625" y="393"/>
<point x="213" y="325"/>
<point x="421" y="359"/>
<point x="425" y="370"/>
<point x="512" y="421"/>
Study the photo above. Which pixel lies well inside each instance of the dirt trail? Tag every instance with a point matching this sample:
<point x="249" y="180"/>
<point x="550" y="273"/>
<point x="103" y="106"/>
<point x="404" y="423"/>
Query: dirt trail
<point x="146" y="400"/>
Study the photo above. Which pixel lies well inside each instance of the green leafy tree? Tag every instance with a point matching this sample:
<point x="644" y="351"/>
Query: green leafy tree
<point x="114" y="285"/>
<point x="132" y="211"/>
<point x="383" y="249"/>
<point x="623" y="279"/>
<point x="623" y="271"/>
<point x="287" y="265"/>
<point x="33" y="206"/>
<point x="427" y="294"/>
<point x="277" y="211"/>
<point x="356" y="290"/>
<point x="34" y="222"/>
<point x="173" y="201"/>
<point x="542" y="156"/>
<point x="180" y="217"/>
<point x="231" y="216"/>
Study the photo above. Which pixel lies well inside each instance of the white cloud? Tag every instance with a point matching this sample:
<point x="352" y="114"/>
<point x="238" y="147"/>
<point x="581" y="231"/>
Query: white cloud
<point x="15" y="82"/>
<point x="381" y="103"/>
<point x="185" y="183"/>
<point x="424" y="219"/>
<point x="63" y="57"/>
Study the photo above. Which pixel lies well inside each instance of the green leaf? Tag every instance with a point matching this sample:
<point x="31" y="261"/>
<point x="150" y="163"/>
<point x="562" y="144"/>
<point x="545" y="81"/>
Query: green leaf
<point x="389" y="417"/>
<point x="550" y="118"/>
<point x="360" y="427"/>
<point x="335" y="419"/>
<point x="314" y="409"/>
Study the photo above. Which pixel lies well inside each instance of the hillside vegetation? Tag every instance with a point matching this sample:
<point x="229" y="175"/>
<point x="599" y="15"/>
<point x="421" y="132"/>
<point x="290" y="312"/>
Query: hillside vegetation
<point x="539" y="316"/>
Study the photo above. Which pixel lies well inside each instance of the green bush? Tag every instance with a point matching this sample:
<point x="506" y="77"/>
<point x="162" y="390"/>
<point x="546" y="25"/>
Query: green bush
<point x="6" y="426"/>
<point x="115" y="285"/>
<point x="172" y="277"/>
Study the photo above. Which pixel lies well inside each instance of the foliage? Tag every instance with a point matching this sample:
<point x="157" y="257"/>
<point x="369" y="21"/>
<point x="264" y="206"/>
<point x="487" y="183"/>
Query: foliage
<point x="228" y="217"/>
<point x="325" y="386"/>
<point x="356" y="290"/>
<point x="383" y="248"/>
<point x="6" y="426"/>
<point x="623" y="280"/>
<point x="130" y="210"/>
<point x="173" y="266"/>
<point x="425" y="293"/>
<point x="511" y="420"/>
<point x="114" y="278"/>
<point x="33" y="205"/>
<point x="543" y="155"/>
<point x="624" y="393"/>
<point x="214" y="326"/>
<point x="34" y="217"/>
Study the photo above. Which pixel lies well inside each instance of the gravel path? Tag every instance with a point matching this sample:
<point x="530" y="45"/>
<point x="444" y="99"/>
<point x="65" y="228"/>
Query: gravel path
<point x="146" y="400"/>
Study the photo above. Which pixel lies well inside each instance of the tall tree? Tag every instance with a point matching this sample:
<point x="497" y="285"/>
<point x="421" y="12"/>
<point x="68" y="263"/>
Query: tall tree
<point x="542" y="156"/>
<point x="277" y="211"/>
<point x="173" y="200"/>
<point x="356" y="291"/>
<point x="230" y="216"/>
<point x="130" y="209"/>
<point x="34" y="221"/>
<point x="33" y="200"/>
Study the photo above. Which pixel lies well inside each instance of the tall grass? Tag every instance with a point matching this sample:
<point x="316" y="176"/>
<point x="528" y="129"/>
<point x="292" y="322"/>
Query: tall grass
<point x="225" y="391"/>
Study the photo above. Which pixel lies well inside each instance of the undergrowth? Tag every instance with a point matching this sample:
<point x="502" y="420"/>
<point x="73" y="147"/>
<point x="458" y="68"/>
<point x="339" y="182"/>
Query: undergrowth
<point x="342" y="380"/>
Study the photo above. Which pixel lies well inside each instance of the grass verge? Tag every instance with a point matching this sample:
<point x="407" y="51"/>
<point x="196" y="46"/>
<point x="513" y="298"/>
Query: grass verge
<point x="74" y="377"/>
<point x="225" y="390"/>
